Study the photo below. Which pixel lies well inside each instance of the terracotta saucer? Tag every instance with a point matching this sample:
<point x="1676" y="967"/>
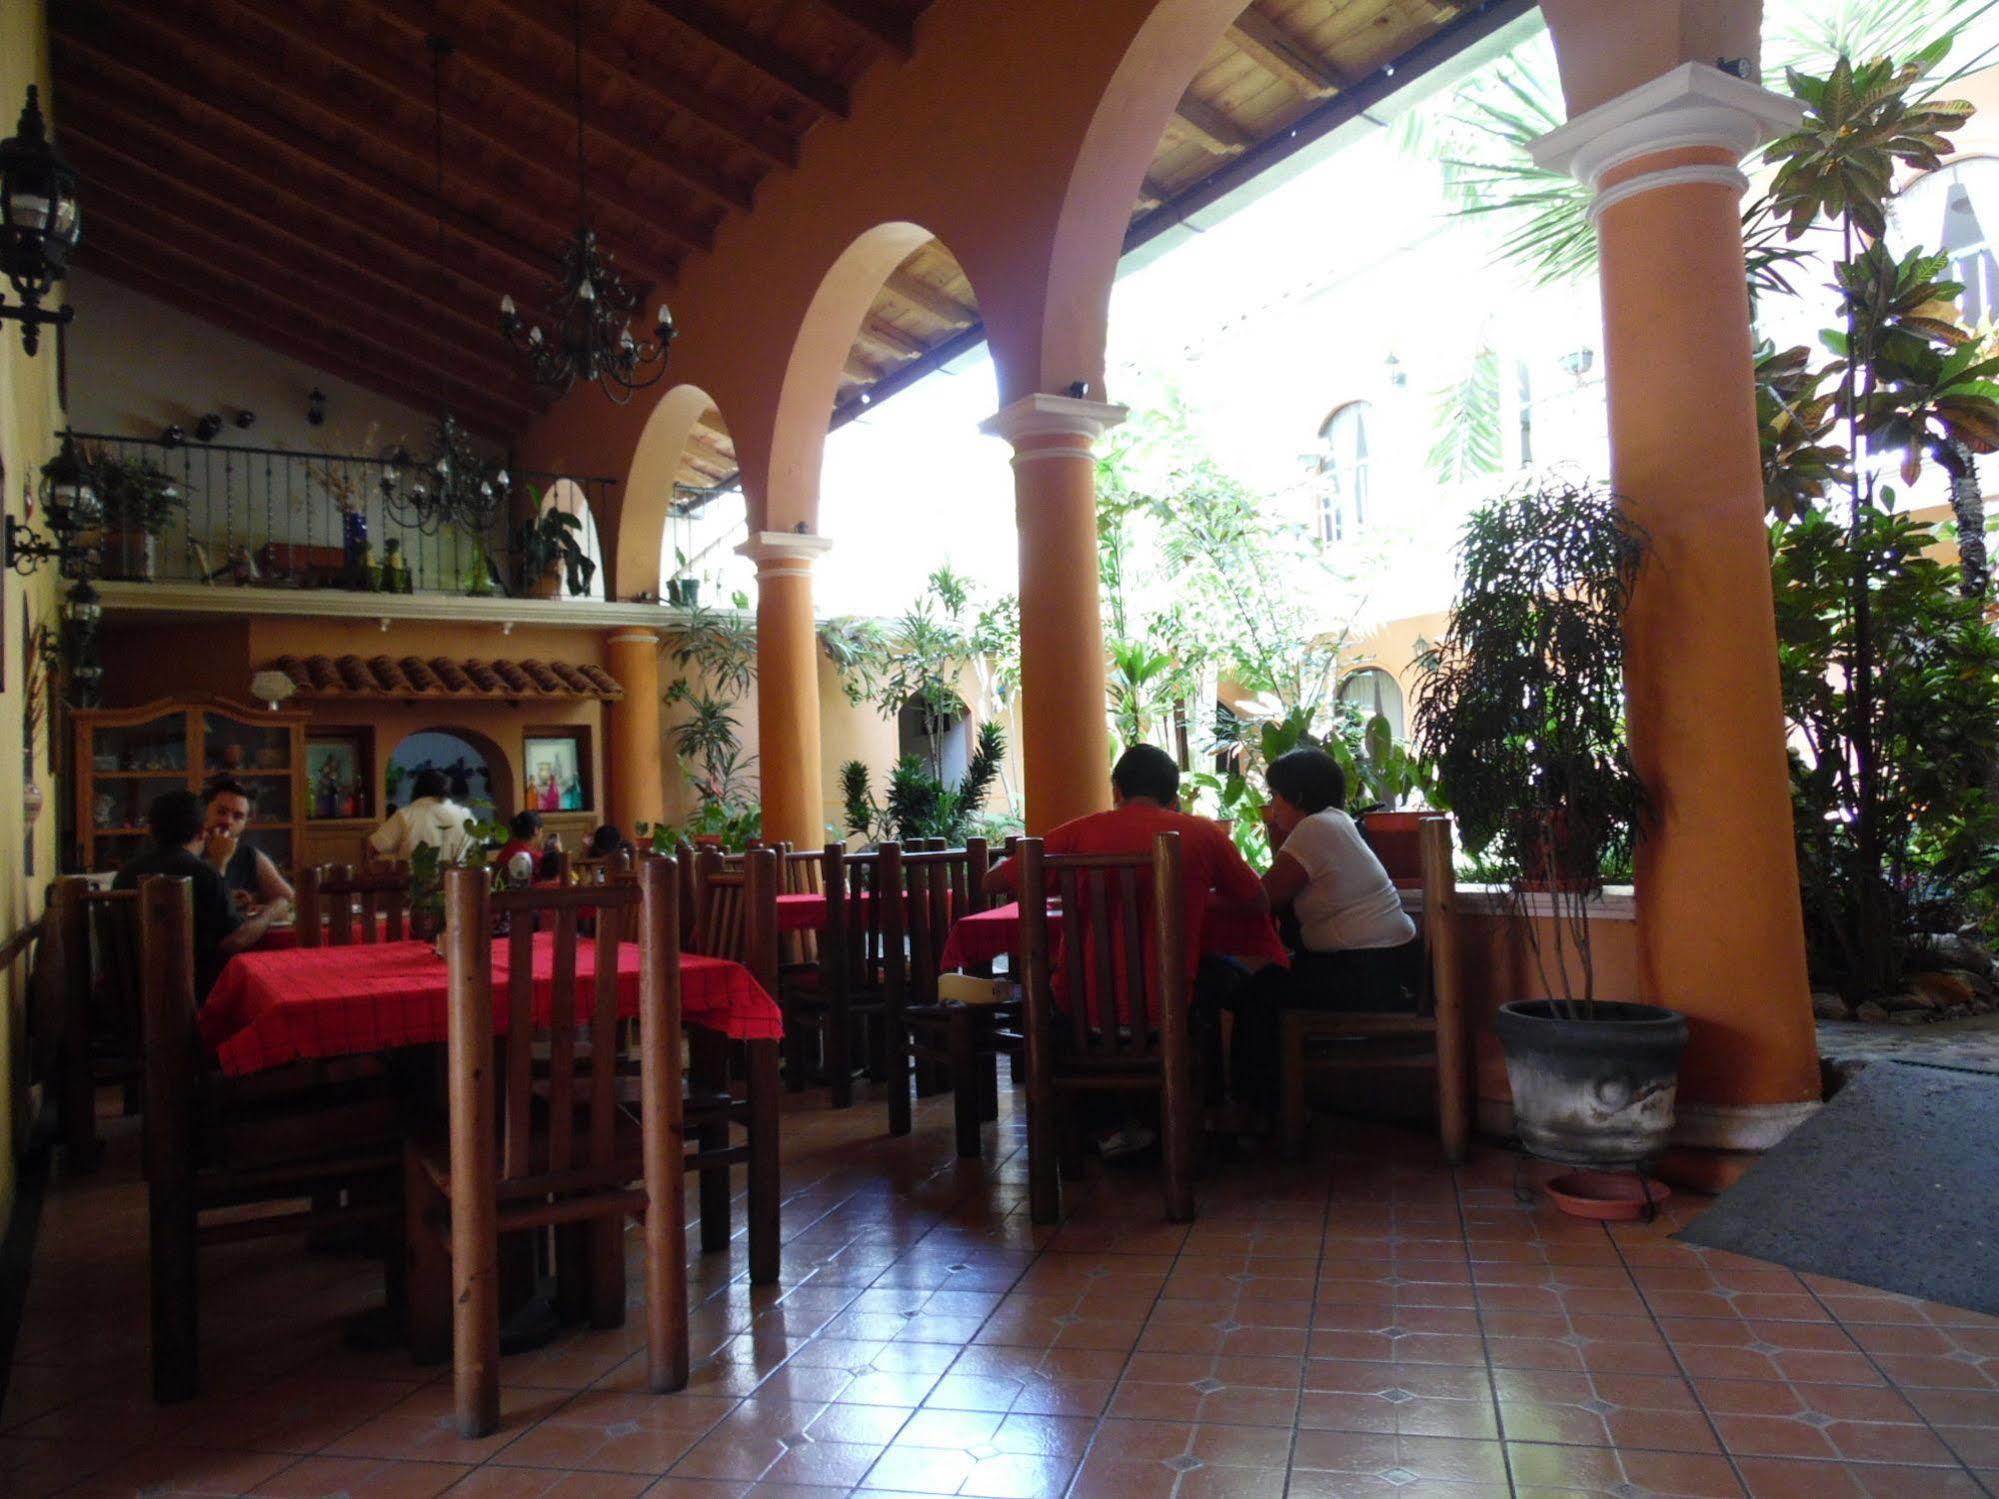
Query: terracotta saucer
<point x="1608" y="1196"/>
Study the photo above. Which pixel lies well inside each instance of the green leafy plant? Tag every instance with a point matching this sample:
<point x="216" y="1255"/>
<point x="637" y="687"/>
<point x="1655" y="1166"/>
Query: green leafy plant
<point x="1522" y="710"/>
<point x="550" y="540"/>
<point x="136" y="493"/>
<point x="1905" y="381"/>
<point x="918" y="804"/>
<point x="716" y="651"/>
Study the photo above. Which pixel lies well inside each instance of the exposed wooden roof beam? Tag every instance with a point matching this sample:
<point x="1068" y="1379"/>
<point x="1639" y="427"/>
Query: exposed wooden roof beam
<point x="890" y="339"/>
<point x="135" y="267"/>
<point x="771" y="144"/>
<point x="130" y="184"/>
<point x="1208" y="127"/>
<point x="859" y="370"/>
<point x="1285" y="57"/>
<point x="880" y="24"/>
<point x="933" y="300"/>
<point x="827" y="95"/>
<point x="1153" y="192"/>
<point x="274" y="296"/>
<point x="137" y="89"/>
<point x="525" y="78"/>
<point x="638" y="219"/>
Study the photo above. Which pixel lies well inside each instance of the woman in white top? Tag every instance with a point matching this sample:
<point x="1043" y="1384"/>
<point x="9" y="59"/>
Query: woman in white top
<point x="1353" y="946"/>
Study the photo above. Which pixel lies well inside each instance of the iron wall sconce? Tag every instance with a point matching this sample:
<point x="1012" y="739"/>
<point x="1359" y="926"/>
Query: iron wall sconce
<point x="315" y="407"/>
<point x="70" y="501"/>
<point x="39" y="222"/>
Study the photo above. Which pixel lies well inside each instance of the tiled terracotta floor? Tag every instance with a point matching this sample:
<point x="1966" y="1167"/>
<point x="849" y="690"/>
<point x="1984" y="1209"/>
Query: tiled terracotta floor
<point x="1372" y="1323"/>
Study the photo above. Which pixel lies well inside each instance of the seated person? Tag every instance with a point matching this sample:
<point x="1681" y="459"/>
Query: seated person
<point x="252" y="878"/>
<point x="523" y="837"/>
<point x="1354" y="947"/>
<point x="1145" y="791"/>
<point x="219" y="931"/>
<point x="551" y="858"/>
<point x="606" y="841"/>
<point x="430" y="820"/>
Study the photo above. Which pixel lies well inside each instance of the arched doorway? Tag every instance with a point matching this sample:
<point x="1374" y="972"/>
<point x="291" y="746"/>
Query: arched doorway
<point x="567" y="497"/>
<point x="482" y="779"/>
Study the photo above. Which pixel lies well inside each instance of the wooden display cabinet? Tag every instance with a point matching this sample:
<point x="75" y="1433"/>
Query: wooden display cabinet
<point x="125" y="757"/>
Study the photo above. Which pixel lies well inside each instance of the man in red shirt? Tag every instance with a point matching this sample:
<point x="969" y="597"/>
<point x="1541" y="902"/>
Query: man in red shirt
<point x="1145" y="790"/>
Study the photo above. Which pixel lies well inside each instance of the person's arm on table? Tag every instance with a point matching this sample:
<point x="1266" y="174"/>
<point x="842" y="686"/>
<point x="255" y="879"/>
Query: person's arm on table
<point x="1001" y="879"/>
<point x="271" y="885"/>
<point x="1286" y="877"/>
<point x="1236" y="884"/>
<point x="252" y="929"/>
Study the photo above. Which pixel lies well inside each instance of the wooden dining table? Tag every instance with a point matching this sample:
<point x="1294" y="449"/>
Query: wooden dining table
<point x="270" y="1008"/>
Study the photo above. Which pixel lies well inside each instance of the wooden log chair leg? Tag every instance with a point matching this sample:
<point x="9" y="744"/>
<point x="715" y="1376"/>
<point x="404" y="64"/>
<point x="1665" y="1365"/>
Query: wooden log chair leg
<point x="795" y="1038"/>
<point x="898" y="1074"/>
<point x="574" y="1265"/>
<point x="836" y="1041"/>
<point x="605" y="1247"/>
<point x="1293" y="1115"/>
<point x="427" y="1277"/>
<point x="709" y="1053"/>
<point x="966" y="1092"/>
<point x="764" y="1185"/>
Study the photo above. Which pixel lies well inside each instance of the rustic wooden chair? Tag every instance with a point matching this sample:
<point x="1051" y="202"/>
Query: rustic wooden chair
<point x="332" y="896"/>
<point x="955" y="1042"/>
<point x="94" y="972"/>
<point x="862" y="962"/>
<point x="1124" y="962"/>
<point x="325" y="1133"/>
<point x="1315" y="1043"/>
<point x="736" y="918"/>
<point x="555" y="1150"/>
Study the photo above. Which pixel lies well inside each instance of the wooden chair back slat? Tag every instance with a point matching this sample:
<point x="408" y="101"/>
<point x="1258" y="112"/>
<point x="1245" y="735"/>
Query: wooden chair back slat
<point x="114" y="975"/>
<point x="328" y="894"/>
<point x="562" y="1045"/>
<point x="738" y="918"/>
<point x="605" y="1041"/>
<point x="520" y="1059"/>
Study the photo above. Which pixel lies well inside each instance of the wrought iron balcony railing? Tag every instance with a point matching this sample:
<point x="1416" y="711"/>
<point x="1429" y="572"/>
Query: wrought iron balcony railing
<point x="276" y="518"/>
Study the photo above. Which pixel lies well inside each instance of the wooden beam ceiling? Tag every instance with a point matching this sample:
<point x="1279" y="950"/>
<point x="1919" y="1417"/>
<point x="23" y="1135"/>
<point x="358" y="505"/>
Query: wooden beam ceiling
<point x="827" y="95"/>
<point x="877" y="22"/>
<point x="1284" y="56"/>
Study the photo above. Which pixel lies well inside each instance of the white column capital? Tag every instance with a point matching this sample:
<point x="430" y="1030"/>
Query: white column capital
<point x="784" y="554"/>
<point x="1693" y="105"/>
<point x="1053" y="416"/>
<point x="633" y="637"/>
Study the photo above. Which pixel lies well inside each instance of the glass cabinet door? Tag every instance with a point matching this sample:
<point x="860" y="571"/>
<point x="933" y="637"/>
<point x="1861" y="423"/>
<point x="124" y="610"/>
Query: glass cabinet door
<point x="130" y="765"/>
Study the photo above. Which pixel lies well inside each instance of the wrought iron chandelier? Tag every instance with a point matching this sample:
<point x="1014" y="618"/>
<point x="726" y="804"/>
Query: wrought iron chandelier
<point x="454" y="487"/>
<point x="588" y="308"/>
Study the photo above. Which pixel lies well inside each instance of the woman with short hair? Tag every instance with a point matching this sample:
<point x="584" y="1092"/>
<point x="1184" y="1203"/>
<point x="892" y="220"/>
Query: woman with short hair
<point x="1352" y="945"/>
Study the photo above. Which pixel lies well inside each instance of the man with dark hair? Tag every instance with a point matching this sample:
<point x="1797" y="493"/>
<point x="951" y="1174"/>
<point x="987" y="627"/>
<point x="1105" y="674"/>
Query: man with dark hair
<point x="1145" y="790"/>
<point x="176" y="823"/>
<point x="252" y="878"/>
<point x="430" y="819"/>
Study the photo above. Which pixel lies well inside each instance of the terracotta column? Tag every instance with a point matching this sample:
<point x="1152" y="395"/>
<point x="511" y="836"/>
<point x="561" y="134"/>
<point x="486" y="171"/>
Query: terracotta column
<point x="1719" y="928"/>
<point x="788" y="687"/>
<point x="633" y="753"/>
<point x="1065" y="733"/>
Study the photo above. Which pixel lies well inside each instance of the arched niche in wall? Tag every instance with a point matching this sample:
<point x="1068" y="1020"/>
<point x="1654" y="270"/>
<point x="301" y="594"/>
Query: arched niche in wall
<point x="460" y="752"/>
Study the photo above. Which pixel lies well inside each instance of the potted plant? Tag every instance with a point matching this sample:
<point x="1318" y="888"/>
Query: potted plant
<point x="140" y="501"/>
<point x="1523" y="716"/>
<point x="683" y="590"/>
<point x="552" y="559"/>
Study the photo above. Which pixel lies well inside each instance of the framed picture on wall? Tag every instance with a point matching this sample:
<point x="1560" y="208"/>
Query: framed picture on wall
<point x="555" y="771"/>
<point x="339" y="778"/>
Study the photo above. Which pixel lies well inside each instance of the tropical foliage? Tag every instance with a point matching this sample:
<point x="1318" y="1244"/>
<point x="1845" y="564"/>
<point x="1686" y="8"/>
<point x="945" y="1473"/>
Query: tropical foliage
<point x="1888" y="661"/>
<point x="716" y="652"/>
<point x="1522" y="710"/>
<point x="919" y="805"/>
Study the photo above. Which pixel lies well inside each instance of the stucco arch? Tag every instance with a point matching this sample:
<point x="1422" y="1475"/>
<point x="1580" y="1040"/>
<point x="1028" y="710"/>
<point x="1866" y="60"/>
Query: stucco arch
<point x="786" y="493"/>
<point x="567" y="496"/>
<point x="648" y="487"/>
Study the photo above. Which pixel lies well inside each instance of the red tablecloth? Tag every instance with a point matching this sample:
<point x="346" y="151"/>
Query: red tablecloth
<point x="801" y="913"/>
<point x="270" y="1008"/>
<point x="1230" y="930"/>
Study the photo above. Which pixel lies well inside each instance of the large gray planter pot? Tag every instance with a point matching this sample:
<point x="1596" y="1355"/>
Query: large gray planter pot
<point x="1597" y="1091"/>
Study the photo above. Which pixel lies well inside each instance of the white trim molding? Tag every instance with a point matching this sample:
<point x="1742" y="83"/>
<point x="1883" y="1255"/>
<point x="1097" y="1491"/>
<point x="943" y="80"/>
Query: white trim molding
<point x="1738" y="1126"/>
<point x="1693" y="105"/>
<point x="1053" y="416"/>
<point x="153" y="600"/>
<point x="784" y="554"/>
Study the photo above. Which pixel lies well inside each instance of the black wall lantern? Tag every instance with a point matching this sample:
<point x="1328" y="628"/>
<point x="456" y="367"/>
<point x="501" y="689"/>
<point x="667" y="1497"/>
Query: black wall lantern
<point x="38" y="221"/>
<point x="75" y="511"/>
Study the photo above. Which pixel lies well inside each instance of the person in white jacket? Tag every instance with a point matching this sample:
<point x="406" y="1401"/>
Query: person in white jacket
<point x="432" y="820"/>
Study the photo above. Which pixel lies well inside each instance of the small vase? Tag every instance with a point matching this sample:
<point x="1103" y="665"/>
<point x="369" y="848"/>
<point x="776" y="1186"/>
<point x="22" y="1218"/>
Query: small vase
<point x="31" y="804"/>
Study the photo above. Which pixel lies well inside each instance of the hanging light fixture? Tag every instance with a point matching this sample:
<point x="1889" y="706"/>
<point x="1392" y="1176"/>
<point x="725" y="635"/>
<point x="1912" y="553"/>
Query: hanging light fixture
<point x="38" y="221"/>
<point x="454" y="487"/>
<point x="589" y="308"/>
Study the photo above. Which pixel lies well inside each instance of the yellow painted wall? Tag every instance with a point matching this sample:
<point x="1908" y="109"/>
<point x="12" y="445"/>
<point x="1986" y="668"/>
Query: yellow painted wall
<point x="27" y="417"/>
